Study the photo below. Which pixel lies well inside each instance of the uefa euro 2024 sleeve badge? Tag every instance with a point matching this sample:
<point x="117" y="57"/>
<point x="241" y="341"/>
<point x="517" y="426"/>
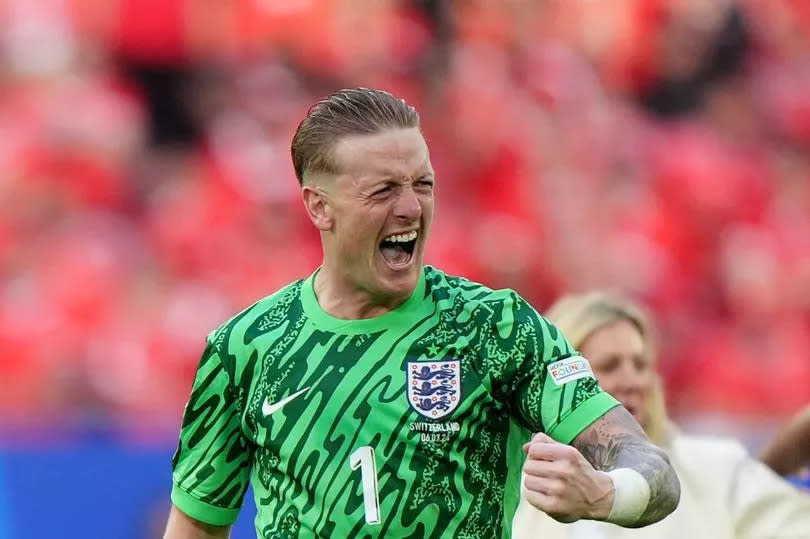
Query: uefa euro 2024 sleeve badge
<point x="434" y="387"/>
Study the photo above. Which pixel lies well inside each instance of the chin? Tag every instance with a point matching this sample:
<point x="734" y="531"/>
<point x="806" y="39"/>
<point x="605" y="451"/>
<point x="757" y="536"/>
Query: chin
<point x="400" y="282"/>
<point x="404" y="281"/>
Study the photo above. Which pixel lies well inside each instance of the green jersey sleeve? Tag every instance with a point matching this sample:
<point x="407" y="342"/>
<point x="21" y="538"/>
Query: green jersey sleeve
<point x="539" y="376"/>
<point x="211" y="467"/>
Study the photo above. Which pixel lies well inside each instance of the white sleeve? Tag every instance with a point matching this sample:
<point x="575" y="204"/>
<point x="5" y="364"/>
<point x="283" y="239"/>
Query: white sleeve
<point x="764" y="504"/>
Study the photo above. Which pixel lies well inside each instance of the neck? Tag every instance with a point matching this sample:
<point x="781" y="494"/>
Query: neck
<point x="341" y="298"/>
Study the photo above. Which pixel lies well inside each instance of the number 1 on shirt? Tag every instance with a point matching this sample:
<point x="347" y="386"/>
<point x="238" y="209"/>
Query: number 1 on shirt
<point x="363" y="458"/>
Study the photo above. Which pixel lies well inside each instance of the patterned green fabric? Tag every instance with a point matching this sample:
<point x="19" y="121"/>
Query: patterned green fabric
<point x="423" y="410"/>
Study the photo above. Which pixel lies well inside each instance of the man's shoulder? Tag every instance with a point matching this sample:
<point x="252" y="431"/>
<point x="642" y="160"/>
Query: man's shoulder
<point x="269" y="310"/>
<point x="464" y="289"/>
<point x="493" y="304"/>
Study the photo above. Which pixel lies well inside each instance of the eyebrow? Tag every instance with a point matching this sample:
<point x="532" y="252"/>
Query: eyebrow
<point x="395" y="178"/>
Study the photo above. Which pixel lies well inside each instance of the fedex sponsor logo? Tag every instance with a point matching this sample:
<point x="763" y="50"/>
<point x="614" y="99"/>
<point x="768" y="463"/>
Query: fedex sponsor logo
<point x="569" y="369"/>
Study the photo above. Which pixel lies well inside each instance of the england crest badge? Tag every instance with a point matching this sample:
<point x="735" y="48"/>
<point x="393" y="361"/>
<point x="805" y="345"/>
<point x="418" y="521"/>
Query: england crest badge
<point x="434" y="387"/>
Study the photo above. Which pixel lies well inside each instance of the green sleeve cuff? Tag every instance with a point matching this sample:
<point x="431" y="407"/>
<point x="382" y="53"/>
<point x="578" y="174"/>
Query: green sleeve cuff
<point x="582" y="416"/>
<point x="202" y="511"/>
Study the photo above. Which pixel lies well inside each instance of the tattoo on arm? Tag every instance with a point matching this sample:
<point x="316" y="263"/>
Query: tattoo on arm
<point x="616" y="440"/>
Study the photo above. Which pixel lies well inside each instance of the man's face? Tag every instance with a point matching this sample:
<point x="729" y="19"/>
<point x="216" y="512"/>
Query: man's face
<point x="382" y="209"/>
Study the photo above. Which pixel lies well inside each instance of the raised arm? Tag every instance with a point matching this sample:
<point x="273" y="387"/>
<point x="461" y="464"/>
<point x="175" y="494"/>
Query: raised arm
<point x="610" y="472"/>
<point x="789" y="450"/>
<point x="182" y="526"/>
<point x="615" y="441"/>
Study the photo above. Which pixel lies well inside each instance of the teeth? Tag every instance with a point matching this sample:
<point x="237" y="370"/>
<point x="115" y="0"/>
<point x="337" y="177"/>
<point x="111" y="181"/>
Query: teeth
<point x="401" y="238"/>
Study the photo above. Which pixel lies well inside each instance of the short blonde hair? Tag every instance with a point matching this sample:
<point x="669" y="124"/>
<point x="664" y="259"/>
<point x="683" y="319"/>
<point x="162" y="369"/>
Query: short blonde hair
<point x="354" y="111"/>
<point x="578" y="316"/>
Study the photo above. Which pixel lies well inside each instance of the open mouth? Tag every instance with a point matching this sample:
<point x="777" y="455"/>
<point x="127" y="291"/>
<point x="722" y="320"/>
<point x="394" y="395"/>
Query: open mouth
<point x="397" y="249"/>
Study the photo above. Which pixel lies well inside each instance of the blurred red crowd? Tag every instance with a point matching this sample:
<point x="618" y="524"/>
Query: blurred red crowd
<point x="118" y="255"/>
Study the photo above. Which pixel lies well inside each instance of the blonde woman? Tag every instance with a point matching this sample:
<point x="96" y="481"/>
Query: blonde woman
<point x="725" y="493"/>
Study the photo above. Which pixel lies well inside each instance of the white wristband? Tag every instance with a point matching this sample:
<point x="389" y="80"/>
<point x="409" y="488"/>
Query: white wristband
<point x="631" y="495"/>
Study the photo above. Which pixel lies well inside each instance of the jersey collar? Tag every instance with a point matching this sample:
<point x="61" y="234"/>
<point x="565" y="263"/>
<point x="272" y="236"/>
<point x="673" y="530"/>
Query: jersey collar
<point x="324" y="320"/>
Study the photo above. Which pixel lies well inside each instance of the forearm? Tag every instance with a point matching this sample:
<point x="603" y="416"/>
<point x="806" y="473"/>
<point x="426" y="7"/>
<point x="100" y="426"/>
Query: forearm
<point x="789" y="450"/>
<point x="608" y="448"/>
<point x="654" y="465"/>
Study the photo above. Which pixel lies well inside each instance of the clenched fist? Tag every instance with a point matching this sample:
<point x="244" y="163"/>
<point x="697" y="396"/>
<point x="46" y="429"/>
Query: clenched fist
<point x="562" y="483"/>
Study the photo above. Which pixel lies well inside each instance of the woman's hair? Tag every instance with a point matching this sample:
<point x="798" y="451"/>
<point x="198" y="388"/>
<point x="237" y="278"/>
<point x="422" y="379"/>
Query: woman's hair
<point x="578" y="316"/>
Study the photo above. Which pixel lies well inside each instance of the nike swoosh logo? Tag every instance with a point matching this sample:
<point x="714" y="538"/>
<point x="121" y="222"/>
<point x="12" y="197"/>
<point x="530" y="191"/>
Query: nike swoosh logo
<point x="269" y="409"/>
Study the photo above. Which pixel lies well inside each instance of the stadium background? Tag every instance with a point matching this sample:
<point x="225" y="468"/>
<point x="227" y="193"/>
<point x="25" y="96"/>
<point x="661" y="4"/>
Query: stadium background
<point x="659" y="147"/>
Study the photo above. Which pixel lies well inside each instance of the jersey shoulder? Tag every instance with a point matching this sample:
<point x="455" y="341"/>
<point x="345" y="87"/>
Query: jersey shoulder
<point x="505" y="319"/>
<point x="269" y="312"/>
<point x="470" y="295"/>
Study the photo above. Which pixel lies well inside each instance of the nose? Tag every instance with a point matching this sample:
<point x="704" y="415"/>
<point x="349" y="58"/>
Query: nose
<point x="636" y="380"/>
<point x="407" y="206"/>
<point x="631" y="379"/>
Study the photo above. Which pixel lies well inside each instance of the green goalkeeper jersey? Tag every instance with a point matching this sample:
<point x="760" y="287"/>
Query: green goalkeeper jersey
<point x="409" y="424"/>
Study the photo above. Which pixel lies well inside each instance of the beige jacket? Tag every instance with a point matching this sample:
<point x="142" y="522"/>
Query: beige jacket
<point x="725" y="494"/>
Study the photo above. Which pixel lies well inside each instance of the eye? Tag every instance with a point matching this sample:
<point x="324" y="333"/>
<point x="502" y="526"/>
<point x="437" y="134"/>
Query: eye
<point x="382" y="191"/>
<point x="641" y="364"/>
<point x="606" y="365"/>
<point x="425" y="184"/>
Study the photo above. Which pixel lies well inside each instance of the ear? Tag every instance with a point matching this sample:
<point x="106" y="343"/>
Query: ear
<point x="318" y="207"/>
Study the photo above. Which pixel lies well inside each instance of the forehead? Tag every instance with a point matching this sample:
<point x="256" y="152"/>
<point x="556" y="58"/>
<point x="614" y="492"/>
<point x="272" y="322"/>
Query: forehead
<point x="620" y="336"/>
<point x="396" y="153"/>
